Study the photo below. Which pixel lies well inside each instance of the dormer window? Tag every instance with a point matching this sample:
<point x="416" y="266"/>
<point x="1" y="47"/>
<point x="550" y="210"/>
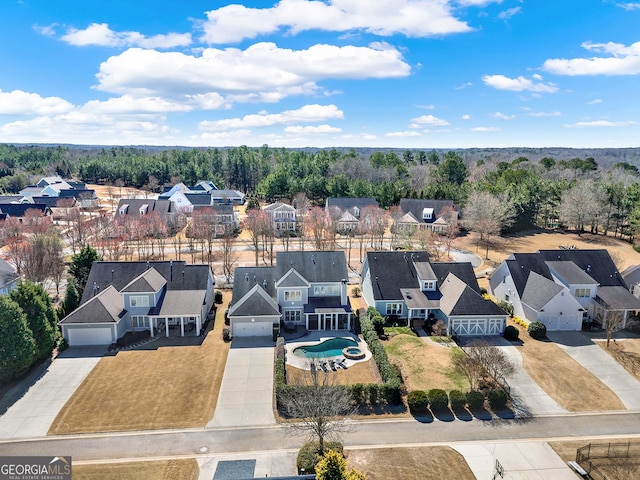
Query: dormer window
<point x="427" y="214"/>
<point x="356" y="212"/>
<point x="429" y="285"/>
<point x="144" y="209"/>
<point x="123" y="209"/>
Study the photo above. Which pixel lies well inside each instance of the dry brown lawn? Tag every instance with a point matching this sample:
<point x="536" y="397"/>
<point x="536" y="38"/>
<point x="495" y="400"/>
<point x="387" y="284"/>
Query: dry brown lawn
<point x="626" y="352"/>
<point x="620" y="469"/>
<point x="563" y="378"/>
<point x="421" y="463"/>
<point x="361" y="372"/>
<point x="184" y="469"/>
<point x="424" y="364"/>
<point x="171" y="387"/>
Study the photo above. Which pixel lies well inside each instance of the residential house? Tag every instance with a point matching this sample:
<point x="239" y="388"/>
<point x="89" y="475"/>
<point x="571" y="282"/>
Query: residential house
<point x="204" y="193"/>
<point x="166" y="298"/>
<point x="406" y="285"/>
<point x="57" y="187"/>
<point x="306" y="289"/>
<point x="350" y="210"/>
<point x="631" y="276"/>
<point x="18" y="210"/>
<point x="222" y="217"/>
<point x="8" y="278"/>
<point x="563" y="288"/>
<point x="137" y="207"/>
<point x="283" y="217"/>
<point x="436" y="215"/>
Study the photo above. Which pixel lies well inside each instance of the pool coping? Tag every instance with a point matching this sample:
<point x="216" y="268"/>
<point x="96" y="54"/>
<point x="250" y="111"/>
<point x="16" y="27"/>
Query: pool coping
<point x="315" y="337"/>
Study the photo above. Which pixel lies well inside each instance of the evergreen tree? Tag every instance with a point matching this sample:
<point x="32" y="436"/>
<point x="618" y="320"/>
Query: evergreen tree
<point x="41" y="318"/>
<point x="17" y="346"/>
<point x="81" y="265"/>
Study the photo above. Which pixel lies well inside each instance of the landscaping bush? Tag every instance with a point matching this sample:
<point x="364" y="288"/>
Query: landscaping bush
<point x="392" y="393"/>
<point x="378" y="325"/>
<point x="483" y="291"/>
<point x="217" y="297"/>
<point x="511" y="333"/>
<point x="475" y="400"/>
<point x="356" y="291"/>
<point x="226" y="334"/>
<point x="537" y="330"/>
<point x="226" y="317"/>
<point x="457" y="399"/>
<point x="372" y="391"/>
<point x="438" y="399"/>
<point x="506" y="306"/>
<point x="497" y="399"/>
<point x="280" y="373"/>
<point x="308" y="455"/>
<point x="357" y="393"/>
<point x="418" y="401"/>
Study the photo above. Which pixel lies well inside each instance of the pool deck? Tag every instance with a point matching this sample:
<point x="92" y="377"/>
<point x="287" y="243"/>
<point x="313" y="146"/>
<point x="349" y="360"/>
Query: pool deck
<point x="314" y="337"/>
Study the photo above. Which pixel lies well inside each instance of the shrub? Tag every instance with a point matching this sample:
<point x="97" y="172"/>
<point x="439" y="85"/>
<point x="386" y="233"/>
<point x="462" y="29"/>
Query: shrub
<point x="357" y="393"/>
<point x="372" y="390"/>
<point x="356" y="291"/>
<point x="280" y="372"/>
<point x="475" y="399"/>
<point x="217" y="297"/>
<point x="497" y="399"/>
<point x="392" y="393"/>
<point x="537" y="330"/>
<point x="438" y="399"/>
<point x="226" y="334"/>
<point x="63" y="344"/>
<point x="507" y="307"/>
<point x="483" y="291"/>
<point x="378" y="325"/>
<point x="418" y="401"/>
<point x="308" y="455"/>
<point x="457" y="399"/>
<point x="511" y="333"/>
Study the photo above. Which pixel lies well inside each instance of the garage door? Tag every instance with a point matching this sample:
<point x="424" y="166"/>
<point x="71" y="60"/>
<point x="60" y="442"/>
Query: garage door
<point x="469" y="326"/>
<point x="253" y="329"/>
<point x="563" y="323"/>
<point x="89" y="336"/>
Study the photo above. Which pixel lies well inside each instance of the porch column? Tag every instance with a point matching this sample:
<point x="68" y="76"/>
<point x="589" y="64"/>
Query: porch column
<point x="166" y="326"/>
<point x="198" y="325"/>
<point x="306" y="320"/>
<point x="151" y="326"/>
<point x="349" y="321"/>
<point x="182" y="326"/>
<point x="624" y="318"/>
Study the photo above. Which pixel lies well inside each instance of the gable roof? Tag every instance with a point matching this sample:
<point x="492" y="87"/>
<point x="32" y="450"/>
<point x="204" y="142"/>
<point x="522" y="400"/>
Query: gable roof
<point x="177" y="274"/>
<point x="631" y="274"/>
<point x="245" y="278"/>
<point x="521" y="264"/>
<point x="539" y="290"/>
<point x="618" y="298"/>
<point x="255" y="302"/>
<point x="349" y="203"/>
<point x="19" y="209"/>
<point x="105" y="307"/>
<point x="597" y="263"/>
<point x="416" y="207"/>
<point x="148" y="281"/>
<point x="458" y="298"/>
<point x="392" y="271"/>
<point x="292" y="279"/>
<point x="570" y="272"/>
<point x="314" y="266"/>
<point x="278" y="206"/>
<point x="198" y="198"/>
<point x="161" y="207"/>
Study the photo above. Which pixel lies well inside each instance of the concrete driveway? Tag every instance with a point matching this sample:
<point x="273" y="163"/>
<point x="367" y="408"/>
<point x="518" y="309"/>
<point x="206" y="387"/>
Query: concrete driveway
<point x="246" y="393"/>
<point x="35" y="410"/>
<point x="582" y="349"/>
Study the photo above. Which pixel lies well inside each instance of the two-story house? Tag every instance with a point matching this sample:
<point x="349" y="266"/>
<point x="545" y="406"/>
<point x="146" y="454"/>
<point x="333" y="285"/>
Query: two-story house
<point x="406" y="285"/>
<point x="166" y="298"/>
<point x="349" y="210"/>
<point x="306" y="289"/>
<point x="563" y="288"/>
<point x="283" y="217"/>
<point x="435" y="215"/>
<point x="57" y="187"/>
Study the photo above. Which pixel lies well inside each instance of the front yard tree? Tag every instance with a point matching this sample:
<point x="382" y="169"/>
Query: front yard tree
<point x="481" y="360"/>
<point x="320" y="408"/>
<point x="614" y="319"/>
<point x="81" y="265"/>
<point x="17" y="346"/>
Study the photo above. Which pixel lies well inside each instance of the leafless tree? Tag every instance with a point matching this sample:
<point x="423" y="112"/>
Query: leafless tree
<point x="316" y="223"/>
<point x="614" y="321"/>
<point x="488" y="214"/>
<point x="481" y="360"/>
<point x="255" y="225"/>
<point x="321" y="407"/>
<point x="229" y="256"/>
<point x="301" y="203"/>
<point x="581" y="205"/>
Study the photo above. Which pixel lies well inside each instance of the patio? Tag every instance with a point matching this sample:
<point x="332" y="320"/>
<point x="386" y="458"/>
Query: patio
<point x="314" y="337"/>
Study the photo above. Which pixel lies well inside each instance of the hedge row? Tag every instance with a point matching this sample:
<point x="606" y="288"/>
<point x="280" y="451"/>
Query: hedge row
<point x="419" y="401"/>
<point x="390" y="373"/>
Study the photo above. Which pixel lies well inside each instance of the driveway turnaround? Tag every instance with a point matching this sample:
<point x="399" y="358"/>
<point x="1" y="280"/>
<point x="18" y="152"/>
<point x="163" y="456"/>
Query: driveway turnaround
<point x="530" y="460"/>
<point x="35" y="411"/>
<point x="601" y="364"/>
<point x="246" y="392"/>
<point x="528" y="398"/>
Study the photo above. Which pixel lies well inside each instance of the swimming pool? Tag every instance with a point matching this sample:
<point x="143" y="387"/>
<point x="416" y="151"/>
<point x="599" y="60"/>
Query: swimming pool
<point x="329" y="348"/>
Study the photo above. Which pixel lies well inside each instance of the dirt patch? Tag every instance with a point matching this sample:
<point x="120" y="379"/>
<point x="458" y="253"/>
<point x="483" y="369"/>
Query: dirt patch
<point x="563" y="378"/>
<point x="171" y="387"/>
<point x="361" y="372"/>
<point x="410" y="463"/>
<point x="424" y="364"/>
<point x="626" y="353"/>
<point x="159" y="470"/>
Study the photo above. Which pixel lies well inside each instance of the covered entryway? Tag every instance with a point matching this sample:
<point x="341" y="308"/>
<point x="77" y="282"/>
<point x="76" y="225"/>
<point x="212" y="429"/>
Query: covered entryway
<point x="252" y="329"/>
<point x="78" y="335"/>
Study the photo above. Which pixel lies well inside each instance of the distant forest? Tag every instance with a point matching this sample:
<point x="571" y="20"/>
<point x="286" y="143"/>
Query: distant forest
<point x="586" y="189"/>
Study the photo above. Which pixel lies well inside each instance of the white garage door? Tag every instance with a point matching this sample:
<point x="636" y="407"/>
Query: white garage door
<point x="469" y="326"/>
<point x="562" y="323"/>
<point x="253" y="329"/>
<point x="89" y="336"/>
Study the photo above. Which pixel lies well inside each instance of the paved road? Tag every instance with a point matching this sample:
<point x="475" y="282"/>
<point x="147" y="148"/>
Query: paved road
<point x="367" y="433"/>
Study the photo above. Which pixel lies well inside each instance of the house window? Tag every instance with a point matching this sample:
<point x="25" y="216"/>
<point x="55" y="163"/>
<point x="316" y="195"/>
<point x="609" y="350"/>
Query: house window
<point x="356" y="212"/>
<point x="427" y="213"/>
<point x="292" y="316"/>
<point x="144" y="209"/>
<point x="139" y="301"/>
<point x="124" y="208"/>
<point x="583" y="292"/>
<point x="429" y="285"/>
<point x="506" y="297"/>
<point x="394" y="308"/>
<point x="292" y="295"/>
<point x="140" y="322"/>
<point x="327" y="290"/>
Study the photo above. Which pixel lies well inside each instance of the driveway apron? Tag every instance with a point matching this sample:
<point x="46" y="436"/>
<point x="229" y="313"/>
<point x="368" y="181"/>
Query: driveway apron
<point x="35" y="411"/>
<point x="601" y="364"/>
<point x="246" y="392"/>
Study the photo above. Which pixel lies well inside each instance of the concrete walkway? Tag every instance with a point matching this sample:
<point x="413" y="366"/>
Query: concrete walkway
<point x="601" y="364"/>
<point x="520" y="460"/>
<point x="527" y="397"/>
<point x="35" y="411"/>
<point x="246" y="393"/>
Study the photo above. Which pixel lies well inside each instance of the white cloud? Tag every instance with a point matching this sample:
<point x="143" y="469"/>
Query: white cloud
<point x="466" y="116"/>
<point x="595" y="101"/>
<point x="463" y="86"/>
<point x="312" y="129"/>
<point x="503" y="116"/>
<point x="46" y="30"/>
<point x="18" y="102"/>
<point x="476" y="3"/>
<point x="263" y="72"/>
<point x="545" y="114"/>
<point x="307" y="113"/>
<point x="428" y="121"/>
<point x="410" y="133"/>
<point x="413" y="18"/>
<point x="519" y="84"/>
<point x="101" y="35"/>
<point x="599" y="123"/>
<point x="620" y="60"/>
<point x="129" y="104"/>
<point x="486" y="129"/>
<point x="629" y="6"/>
<point x="508" y="13"/>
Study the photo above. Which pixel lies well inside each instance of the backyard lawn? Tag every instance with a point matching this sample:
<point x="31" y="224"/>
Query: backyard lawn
<point x="563" y="378"/>
<point x="186" y="469"/>
<point x="361" y="372"/>
<point x="171" y="387"/>
<point x="425" y="364"/>
<point x="418" y="463"/>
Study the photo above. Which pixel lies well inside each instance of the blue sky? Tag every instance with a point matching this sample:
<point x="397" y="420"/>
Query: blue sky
<point x="295" y="73"/>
